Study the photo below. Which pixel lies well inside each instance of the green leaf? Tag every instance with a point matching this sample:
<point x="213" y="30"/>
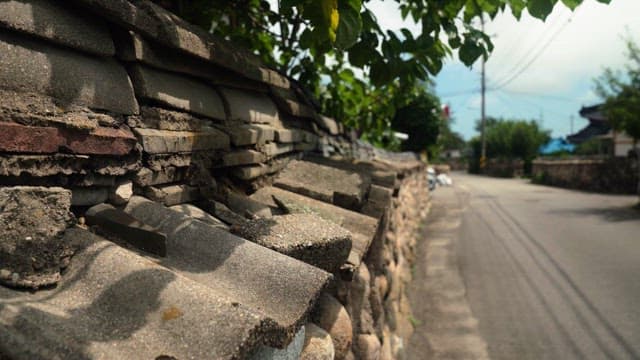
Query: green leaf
<point x="380" y="73"/>
<point x="540" y="8"/>
<point x="349" y="28"/>
<point x="516" y="7"/>
<point x="360" y="54"/>
<point x="470" y="52"/>
<point x="571" y="4"/>
<point x="306" y="39"/>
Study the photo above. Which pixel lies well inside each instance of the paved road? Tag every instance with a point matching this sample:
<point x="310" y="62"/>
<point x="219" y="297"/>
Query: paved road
<point x="547" y="274"/>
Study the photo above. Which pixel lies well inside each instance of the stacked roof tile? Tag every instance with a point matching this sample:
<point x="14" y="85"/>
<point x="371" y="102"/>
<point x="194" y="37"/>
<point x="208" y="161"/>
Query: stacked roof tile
<point x="204" y="226"/>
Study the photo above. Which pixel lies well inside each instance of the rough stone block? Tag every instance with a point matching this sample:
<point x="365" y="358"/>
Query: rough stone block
<point x="275" y="149"/>
<point x="333" y="318"/>
<point x="114" y="303"/>
<point x="154" y="22"/>
<point x="71" y="78"/>
<point x="172" y="194"/>
<point x="251" y="107"/>
<point x="254" y="276"/>
<point x="177" y="91"/>
<point x="133" y="47"/>
<point x="250" y="134"/>
<point x="378" y="202"/>
<point x="221" y="211"/>
<point x="318" y="344"/>
<point x="368" y="347"/>
<point x="199" y="214"/>
<point x="291" y="352"/>
<point x="329" y="124"/>
<point x="289" y="135"/>
<point x="89" y="196"/>
<point x="243" y="157"/>
<point x="255" y="171"/>
<point x="305" y="237"/>
<point x="363" y="228"/>
<point x="124" y="226"/>
<point x="147" y="177"/>
<point x="52" y="21"/>
<point x="32" y="248"/>
<point x="121" y="194"/>
<point x="241" y="204"/>
<point x="163" y="119"/>
<point x="63" y="164"/>
<point x="340" y="187"/>
<point x="166" y="142"/>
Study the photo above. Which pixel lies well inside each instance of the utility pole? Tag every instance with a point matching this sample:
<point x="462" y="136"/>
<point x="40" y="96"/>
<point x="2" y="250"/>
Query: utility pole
<point x="571" y="124"/>
<point x="483" y="120"/>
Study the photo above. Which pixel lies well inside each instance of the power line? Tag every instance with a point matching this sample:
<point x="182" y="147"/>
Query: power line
<point x="535" y="57"/>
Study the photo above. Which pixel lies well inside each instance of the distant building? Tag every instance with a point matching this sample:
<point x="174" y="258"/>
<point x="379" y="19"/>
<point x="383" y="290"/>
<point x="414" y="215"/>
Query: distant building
<point x="613" y="143"/>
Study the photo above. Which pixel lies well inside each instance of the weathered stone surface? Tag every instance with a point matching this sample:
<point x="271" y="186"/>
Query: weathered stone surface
<point x="289" y="135"/>
<point x="368" y="347"/>
<point x="243" y="135"/>
<point x="241" y="204"/>
<point x="378" y="201"/>
<point x="243" y="157"/>
<point x="122" y="225"/>
<point x="221" y="211"/>
<point x="165" y="142"/>
<point x="154" y="22"/>
<point x="250" y="107"/>
<point x="113" y="303"/>
<point x="291" y="352"/>
<point x="170" y="174"/>
<point x="306" y="237"/>
<point x="336" y="186"/>
<point x="380" y="175"/>
<point x="295" y="108"/>
<point x="72" y="78"/>
<point x="133" y="47"/>
<point x="172" y="194"/>
<point x="52" y="21"/>
<point x="163" y="119"/>
<point x="253" y="172"/>
<point x="317" y="344"/>
<point x="333" y="318"/>
<point x="358" y="300"/>
<point x="199" y="214"/>
<point x="121" y="193"/>
<point x="275" y="149"/>
<point x="305" y="146"/>
<point x="176" y="91"/>
<point x="363" y="228"/>
<point x="62" y="164"/>
<point x="33" y="220"/>
<point x="329" y="124"/>
<point x="89" y="196"/>
<point x="31" y="139"/>
<point x="279" y="287"/>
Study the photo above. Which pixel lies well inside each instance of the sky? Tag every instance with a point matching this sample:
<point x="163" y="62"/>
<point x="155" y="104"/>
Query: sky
<point x="538" y="70"/>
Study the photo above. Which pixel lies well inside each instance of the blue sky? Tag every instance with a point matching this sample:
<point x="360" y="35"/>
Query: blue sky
<point x="564" y="54"/>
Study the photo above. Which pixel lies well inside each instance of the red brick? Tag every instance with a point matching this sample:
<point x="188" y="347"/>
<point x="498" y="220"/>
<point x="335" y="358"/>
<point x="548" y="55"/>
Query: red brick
<point x="44" y="140"/>
<point x="29" y="139"/>
<point x="100" y="141"/>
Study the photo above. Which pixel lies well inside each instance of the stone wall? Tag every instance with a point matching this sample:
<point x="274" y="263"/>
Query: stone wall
<point x="171" y="197"/>
<point x="610" y="175"/>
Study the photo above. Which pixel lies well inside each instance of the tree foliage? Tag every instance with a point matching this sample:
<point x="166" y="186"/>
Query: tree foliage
<point x="320" y="43"/>
<point x="512" y="139"/>
<point x="620" y="91"/>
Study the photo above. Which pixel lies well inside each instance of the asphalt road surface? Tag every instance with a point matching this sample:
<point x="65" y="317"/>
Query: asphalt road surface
<point x="511" y="270"/>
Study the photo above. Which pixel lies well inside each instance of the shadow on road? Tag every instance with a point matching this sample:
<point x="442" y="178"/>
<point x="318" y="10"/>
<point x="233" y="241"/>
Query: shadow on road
<point x="612" y="214"/>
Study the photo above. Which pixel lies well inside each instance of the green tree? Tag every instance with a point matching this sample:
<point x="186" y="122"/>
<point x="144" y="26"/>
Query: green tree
<point x="315" y="41"/>
<point x="511" y="139"/>
<point x="620" y="91"/>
